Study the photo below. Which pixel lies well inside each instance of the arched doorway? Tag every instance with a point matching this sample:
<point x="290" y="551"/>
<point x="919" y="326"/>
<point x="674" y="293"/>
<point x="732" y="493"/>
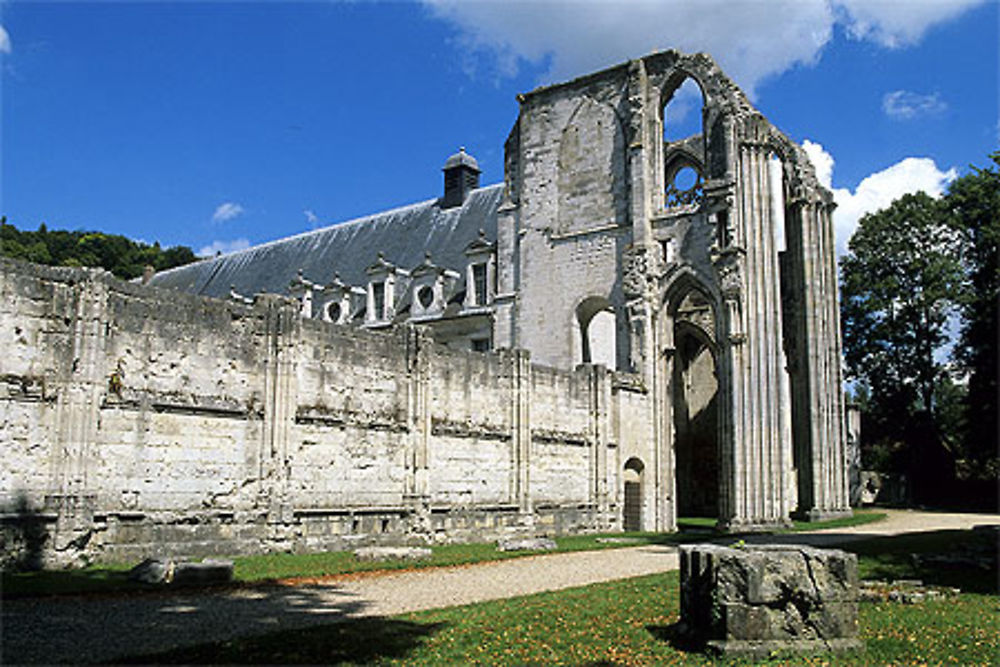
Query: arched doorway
<point x="632" y="508"/>
<point x="695" y="408"/>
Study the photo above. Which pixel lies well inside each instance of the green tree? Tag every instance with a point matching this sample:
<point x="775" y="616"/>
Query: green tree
<point x="125" y="258"/>
<point x="899" y="282"/>
<point x="973" y="208"/>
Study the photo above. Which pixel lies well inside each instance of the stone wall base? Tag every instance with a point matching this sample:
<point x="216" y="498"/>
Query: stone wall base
<point x="36" y="540"/>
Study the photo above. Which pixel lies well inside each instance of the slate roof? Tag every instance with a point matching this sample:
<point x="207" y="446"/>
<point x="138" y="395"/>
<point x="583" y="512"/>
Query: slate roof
<point x="348" y="248"/>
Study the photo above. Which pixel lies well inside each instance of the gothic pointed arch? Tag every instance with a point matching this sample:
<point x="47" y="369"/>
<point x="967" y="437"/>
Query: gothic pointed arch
<point x="692" y="359"/>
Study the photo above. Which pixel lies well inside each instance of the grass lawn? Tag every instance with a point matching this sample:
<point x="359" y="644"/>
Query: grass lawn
<point x="268" y="567"/>
<point x="629" y="622"/>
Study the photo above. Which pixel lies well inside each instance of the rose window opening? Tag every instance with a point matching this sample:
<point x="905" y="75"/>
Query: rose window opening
<point x="684" y="187"/>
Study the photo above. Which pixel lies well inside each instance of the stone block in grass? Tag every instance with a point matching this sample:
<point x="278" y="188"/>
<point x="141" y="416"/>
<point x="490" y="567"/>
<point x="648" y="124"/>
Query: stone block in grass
<point x="526" y="544"/>
<point x="392" y="553"/>
<point x="758" y="601"/>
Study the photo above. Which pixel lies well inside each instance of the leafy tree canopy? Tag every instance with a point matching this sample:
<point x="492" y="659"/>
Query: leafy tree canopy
<point x="917" y="272"/>
<point x="973" y="209"/>
<point x="899" y="283"/>
<point x="121" y="256"/>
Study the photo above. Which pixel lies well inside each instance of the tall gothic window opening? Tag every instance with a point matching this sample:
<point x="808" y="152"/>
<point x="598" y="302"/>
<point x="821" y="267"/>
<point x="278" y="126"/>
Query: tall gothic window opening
<point x="682" y="112"/>
<point x="683" y="149"/>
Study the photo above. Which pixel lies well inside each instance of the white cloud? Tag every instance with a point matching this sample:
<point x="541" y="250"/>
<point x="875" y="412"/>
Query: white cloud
<point x="311" y="217"/>
<point x="822" y="162"/>
<point x="904" y="105"/>
<point x="4" y="40"/>
<point x="878" y="190"/>
<point x="227" y="211"/>
<point x="751" y="40"/>
<point x="897" y="23"/>
<point x="223" y="247"/>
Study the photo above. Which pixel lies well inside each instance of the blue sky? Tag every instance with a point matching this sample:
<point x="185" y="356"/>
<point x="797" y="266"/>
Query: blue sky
<point x="217" y="125"/>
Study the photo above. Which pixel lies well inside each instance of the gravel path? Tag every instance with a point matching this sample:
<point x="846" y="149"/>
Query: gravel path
<point x="80" y="629"/>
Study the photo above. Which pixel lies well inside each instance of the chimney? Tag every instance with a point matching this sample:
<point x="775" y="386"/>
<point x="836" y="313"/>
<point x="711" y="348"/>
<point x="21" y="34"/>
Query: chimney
<point x="461" y="176"/>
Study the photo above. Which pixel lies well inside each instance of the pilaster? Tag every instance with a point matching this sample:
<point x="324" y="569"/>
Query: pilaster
<point x="281" y="321"/>
<point x="600" y="426"/>
<point x="519" y="365"/>
<point x="85" y="379"/>
<point x="508" y="270"/>
<point x="418" y="346"/>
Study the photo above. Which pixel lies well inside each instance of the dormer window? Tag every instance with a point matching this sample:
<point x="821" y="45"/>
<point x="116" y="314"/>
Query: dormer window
<point x="432" y="286"/>
<point x="302" y="289"/>
<point x="479" y="284"/>
<point x="378" y="300"/>
<point x="383" y="290"/>
<point x="334" y="312"/>
<point x="480" y="272"/>
<point x="340" y="301"/>
<point x="425" y="296"/>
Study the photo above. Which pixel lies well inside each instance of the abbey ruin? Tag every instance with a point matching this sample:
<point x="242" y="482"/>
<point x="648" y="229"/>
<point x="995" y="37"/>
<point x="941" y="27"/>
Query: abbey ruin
<point x="593" y="344"/>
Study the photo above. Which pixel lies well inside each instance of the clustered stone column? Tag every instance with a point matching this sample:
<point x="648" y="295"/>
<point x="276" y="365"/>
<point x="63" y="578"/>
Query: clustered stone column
<point x="817" y="398"/>
<point x="756" y="441"/>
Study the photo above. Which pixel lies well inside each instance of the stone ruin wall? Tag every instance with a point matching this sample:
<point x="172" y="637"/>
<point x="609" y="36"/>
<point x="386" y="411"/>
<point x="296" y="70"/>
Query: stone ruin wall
<point x="137" y="421"/>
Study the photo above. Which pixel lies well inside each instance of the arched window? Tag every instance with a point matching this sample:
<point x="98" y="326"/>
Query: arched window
<point x="682" y="112"/>
<point x="683" y="144"/>
<point x="597" y="328"/>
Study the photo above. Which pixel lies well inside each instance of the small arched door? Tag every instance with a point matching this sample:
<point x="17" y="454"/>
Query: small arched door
<point x="632" y="511"/>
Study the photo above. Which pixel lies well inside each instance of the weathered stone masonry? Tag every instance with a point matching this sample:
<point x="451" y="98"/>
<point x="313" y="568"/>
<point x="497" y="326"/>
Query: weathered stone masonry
<point x="139" y="421"/>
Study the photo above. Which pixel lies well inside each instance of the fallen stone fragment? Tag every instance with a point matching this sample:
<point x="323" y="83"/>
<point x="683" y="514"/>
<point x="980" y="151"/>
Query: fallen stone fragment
<point x="526" y="544"/>
<point x="618" y="540"/>
<point x="392" y="553"/>
<point x="206" y="573"/>
<point x="163" y="571"/>
<point x="903" y="591"/>
<point x="152" y="571"/>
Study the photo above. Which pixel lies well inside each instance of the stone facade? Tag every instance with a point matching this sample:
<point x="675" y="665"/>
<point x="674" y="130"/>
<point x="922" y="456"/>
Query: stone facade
<point x="684" y="350"/>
